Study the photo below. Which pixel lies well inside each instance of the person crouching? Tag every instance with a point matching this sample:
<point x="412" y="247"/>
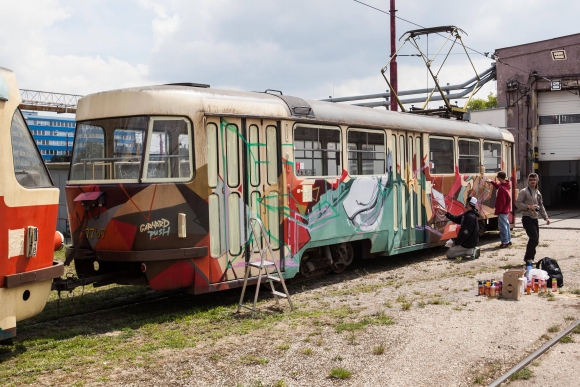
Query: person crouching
<point x="468" y="236"/>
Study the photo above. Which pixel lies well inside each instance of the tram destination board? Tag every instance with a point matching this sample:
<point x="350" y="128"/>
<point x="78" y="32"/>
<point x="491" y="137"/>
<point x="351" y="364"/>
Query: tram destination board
<point x="306" y="172"/>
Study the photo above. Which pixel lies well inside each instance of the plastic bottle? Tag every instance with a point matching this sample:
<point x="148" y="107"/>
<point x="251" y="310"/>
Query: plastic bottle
<point x="536" y="284"/>
<point x="487" y="286"/>
<point x="480" y="288"/>
<point x="554" y="285"/>
<point x="528" y="268"/>
<point x="544" y="286"/>
<point x="500" y="288"/>
<point x="492" y="289"/>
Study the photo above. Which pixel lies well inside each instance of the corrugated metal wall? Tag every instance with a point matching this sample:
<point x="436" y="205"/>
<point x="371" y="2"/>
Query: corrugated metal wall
<point x="559" y="141"/>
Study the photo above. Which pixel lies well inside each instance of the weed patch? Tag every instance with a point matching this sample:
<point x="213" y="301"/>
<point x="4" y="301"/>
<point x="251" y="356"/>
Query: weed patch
<point x="379" y="349"/>
<point x="566" y="340"/>
<point x="523" y="374"/>
<point x="554" y="328"/>
<point x="253" y="360"/>
<point x="339" y="373"/>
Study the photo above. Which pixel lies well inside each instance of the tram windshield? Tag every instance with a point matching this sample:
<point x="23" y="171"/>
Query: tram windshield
<point x="133" y="149"/>
<point x="28" y="165"/>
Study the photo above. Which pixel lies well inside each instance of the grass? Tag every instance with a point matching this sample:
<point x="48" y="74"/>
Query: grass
<point x="554" y="328"/>
<point x="132" y="336"/>
<point x="566" y="340"/>
<point x="307" y="351"/>
<point x="523" y="374"/>
<point x="339" y="373"/>
<point x="253" y="360"/>
<point x="380" y="319"/>
<point x="283" y="347"/>
<point x="379" y="349"/>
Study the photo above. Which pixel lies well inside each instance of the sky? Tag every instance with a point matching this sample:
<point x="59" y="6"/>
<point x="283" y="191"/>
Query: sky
<point x="307" y="48"/>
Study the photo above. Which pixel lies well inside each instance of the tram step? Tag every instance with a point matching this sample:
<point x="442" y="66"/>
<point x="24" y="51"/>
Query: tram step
<point x="280" y="294"/>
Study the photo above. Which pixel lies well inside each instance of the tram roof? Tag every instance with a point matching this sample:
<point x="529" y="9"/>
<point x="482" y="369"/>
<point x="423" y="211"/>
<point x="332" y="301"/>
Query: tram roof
<point x="186" y="100"/>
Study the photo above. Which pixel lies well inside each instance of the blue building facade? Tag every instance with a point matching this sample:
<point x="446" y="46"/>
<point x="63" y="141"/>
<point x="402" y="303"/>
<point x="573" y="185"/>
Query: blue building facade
<point x="54" y="135"/>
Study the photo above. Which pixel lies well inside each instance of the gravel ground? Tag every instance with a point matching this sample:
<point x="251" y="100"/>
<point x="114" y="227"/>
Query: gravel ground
<point x="448" y="336"/>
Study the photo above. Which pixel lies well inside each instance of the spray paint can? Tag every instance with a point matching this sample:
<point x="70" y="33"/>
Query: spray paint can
<point x="481" y="290"/>
<point x="554" y="285"/>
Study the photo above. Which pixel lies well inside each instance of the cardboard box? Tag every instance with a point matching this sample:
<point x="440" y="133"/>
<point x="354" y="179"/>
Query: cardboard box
<point x="512" y="287"/>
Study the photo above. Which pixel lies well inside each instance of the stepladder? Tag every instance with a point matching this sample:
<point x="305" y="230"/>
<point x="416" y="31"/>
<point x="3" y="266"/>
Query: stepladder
<point x="268" y="270"/>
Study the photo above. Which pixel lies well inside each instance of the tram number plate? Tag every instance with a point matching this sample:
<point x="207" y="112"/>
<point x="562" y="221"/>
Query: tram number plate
<point x="95" y="233"/>
<point x="306" y="172"/>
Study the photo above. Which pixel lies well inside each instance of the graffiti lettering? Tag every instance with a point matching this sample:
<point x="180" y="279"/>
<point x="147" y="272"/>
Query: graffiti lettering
<point x="162" y="223"/>
<point x="154" y="234"/>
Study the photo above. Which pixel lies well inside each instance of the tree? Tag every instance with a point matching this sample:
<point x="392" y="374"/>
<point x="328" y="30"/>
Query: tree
<point x="480" y="104"/>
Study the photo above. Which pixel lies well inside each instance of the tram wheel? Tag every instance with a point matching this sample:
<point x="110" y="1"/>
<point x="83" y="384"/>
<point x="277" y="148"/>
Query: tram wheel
<point x="342" y="255"/>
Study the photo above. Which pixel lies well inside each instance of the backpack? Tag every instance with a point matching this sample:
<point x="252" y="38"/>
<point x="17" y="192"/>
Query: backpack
<point x="551" y="267"/>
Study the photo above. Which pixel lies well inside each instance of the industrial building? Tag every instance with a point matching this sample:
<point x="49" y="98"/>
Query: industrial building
<point x="54" y="135"/>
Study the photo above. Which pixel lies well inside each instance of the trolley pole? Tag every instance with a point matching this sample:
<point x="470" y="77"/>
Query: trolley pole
<point x="393" y="65"/>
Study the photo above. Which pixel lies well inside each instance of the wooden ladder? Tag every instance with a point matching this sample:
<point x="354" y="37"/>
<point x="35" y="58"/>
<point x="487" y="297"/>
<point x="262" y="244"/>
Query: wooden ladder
<point x="265" y="269"/>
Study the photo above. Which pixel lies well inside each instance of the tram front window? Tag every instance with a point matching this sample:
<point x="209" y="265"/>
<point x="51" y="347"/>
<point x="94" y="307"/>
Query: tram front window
<point x="115" y="149"/>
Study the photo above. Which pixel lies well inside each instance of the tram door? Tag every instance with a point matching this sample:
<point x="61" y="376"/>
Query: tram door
<point x="243" y="170"/>
<point x="407" y="190"/>
<point x="262" y="158"/>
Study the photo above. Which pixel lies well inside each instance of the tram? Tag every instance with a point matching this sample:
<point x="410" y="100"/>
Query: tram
<point x="163" y="181"/>
<point x="28" y="215"/>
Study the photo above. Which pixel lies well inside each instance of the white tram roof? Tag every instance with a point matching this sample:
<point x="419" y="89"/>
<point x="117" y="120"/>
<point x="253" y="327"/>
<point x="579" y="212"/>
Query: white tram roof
<point x="193" y="101"/>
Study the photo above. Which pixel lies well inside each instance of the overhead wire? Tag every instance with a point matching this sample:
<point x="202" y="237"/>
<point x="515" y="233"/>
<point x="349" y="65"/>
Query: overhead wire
<point x="495" y="57"/>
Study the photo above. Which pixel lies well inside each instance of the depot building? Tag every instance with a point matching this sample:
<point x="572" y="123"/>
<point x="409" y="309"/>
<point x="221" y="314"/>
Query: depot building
<point x="538" y="91"/>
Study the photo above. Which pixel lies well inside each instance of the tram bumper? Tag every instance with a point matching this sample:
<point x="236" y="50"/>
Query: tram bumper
<point x="24" y="295"/>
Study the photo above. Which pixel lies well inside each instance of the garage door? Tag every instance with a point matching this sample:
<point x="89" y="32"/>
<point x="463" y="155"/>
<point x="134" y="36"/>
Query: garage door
<point x="559" y="125"/>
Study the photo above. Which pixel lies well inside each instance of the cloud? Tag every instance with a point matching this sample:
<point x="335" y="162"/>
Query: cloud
<point x="302" y="47"/>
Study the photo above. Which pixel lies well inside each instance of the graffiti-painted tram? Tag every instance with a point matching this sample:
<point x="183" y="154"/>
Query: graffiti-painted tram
<point x="28" y="215"/>
<point x="163" y="180"/>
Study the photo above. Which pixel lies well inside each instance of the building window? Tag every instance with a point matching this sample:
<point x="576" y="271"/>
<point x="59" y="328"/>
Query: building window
<point x="468" y="156"/>
<point x="366" y="152"/>
<point x="570" y="119"/>
<point x="441" y="155"/>
<point x="317" y="151"/>
<point x="549" y="120"/>
<point x="491" y="156"/>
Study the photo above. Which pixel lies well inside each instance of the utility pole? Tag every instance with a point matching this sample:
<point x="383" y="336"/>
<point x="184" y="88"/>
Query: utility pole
<point x="393" y="64"/>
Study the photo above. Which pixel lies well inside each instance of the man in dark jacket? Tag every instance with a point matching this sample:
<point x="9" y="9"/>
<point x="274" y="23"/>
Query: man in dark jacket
<point x="531" y="203"/>
<point x="503" y="206"/>
<point x="468" y="236"/>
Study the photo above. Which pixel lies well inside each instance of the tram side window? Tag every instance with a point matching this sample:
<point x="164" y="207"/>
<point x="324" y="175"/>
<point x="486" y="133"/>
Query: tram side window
<point x="317" y="151"/>
<point x="491" y="156"/>
<point x="89" y="153"/>
<point x="441" y="155"/>
<point x="28" y="164"/>
<point x="128" y="148"/>
<point x="469" y="159"/>
<point x="366" y="153"/>
<point x="170" y="151"/>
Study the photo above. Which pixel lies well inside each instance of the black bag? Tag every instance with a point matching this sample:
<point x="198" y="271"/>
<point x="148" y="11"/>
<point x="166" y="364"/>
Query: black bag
<point x="550" y="266"/>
